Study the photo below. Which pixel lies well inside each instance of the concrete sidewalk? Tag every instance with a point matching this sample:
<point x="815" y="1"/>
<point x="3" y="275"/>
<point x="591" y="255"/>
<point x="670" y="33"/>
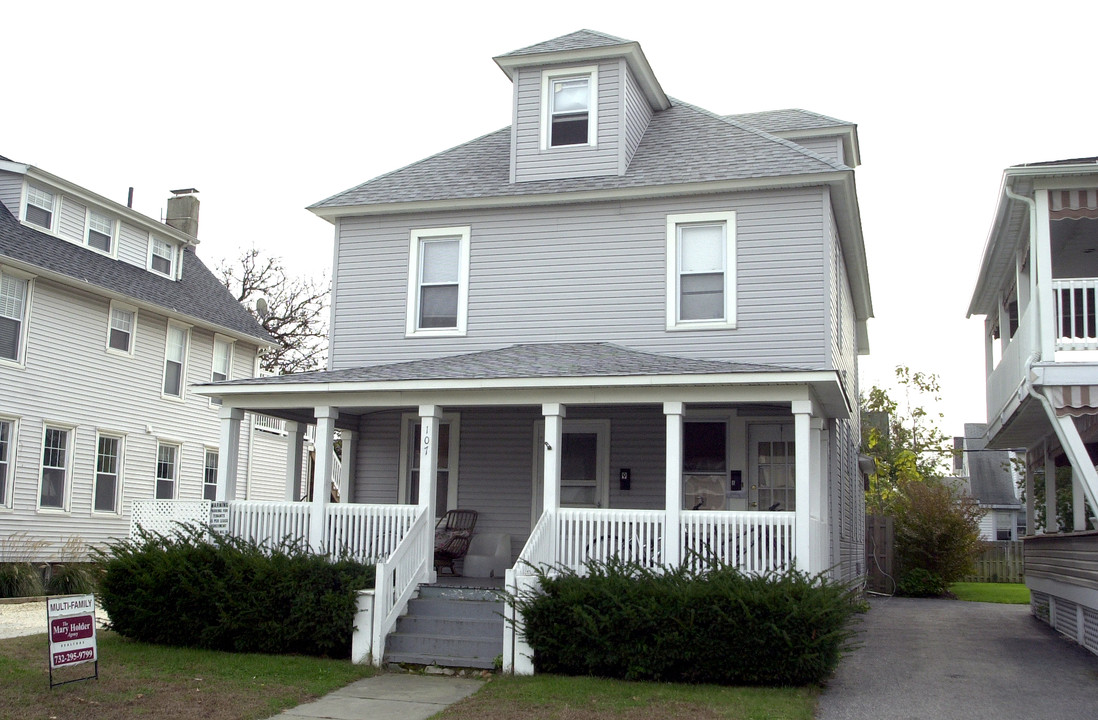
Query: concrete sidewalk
<point x="928" y="659"/>
<point x="388" y="697"/>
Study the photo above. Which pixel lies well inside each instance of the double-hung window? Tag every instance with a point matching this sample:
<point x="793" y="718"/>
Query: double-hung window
<point x="175" y="360"/>
<point x="108" y="465"/>
<point x="161" y="257"/>
<point x="447" y="442"/>
<point x="53" y="489"/>
<point x="39" y="207"/>
<point x="167" y="470"/>
<point x="209" y="475"/>
<point x="7" y="442"/>
<point x="120" y="330"/>
<point x="570" y="107"/>
<point x="13" y="312"/>
<point x="438" y="281"/>
<point x="100" y="232"/>
<point x="701" y="270"/>
<point x="222" y="363"/>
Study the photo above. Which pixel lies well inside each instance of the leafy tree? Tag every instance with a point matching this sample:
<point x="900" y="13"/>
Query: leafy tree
<point x="293" y="310"/>
<point x="937" y="537"/>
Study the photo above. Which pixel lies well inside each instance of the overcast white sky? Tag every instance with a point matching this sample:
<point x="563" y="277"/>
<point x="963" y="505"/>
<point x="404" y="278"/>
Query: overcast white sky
<point x="269" y="107"/>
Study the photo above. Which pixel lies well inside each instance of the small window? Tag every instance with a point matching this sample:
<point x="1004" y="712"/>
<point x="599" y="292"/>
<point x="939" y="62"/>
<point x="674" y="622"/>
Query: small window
<point x="222" y="363"/>
<point x="100" y="232"/>
<point x="7" y="434"/>
<point x="167" y="470"/>
<point x="569" y="107"/>
<point x="438" y="281"/>
<point x="13" y="308"/>
<point x="108" y="461"/>
<point x="175" y="360"/>
<point x="39" y="209"/>
<point x="209" y="476"/>
<point x="162" y="257"/>
<point x="701" y="270"/>
<point x="55" y="469"/>
<point x="123" y="321"/>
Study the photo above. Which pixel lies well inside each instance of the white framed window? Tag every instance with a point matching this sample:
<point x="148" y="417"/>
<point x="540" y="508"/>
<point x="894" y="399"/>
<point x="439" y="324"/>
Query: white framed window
<point x="167" y="470"/>
<point x="438" y="281"/>
<point x="569" y="101"/>
<point x="121" y="328"/>
<point x="14" y="304"/>
<point x="209" y="475"/>
<point x="175" y="360"/>
<point x="449" y="439"/>
<point x="584" y="465"/>
<point x="108" y="474"/>
<point x="99" y="233"/>
<point x="53" y="488"/>
<point x="701" y="271"/>
<point x="222" y="362"/>
<point x="162" y="257"/>
<point x="40" y="208"/>
<point x="7" y="460"/>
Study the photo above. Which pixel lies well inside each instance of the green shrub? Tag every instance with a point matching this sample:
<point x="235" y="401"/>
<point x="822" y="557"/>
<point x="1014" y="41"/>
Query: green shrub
<point x="20" y="579"/>
<point x="211" y="591"/>
<point x="71" y="579"/>
<point x="938" y="532"/>
<point x="715" y="625"/>
<point x="918" y="582"/>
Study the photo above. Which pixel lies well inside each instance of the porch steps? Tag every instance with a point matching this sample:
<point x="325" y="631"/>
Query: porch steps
<point x="449" y="626"/>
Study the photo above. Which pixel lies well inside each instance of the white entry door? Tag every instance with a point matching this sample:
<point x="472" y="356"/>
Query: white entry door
<point x="773" y="463"/>
<point x="585" y="465"/>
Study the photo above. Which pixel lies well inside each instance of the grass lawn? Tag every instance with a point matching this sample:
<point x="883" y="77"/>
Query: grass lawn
<point x="1009" y="593"/>
<point x="556" y="697"/>
<point x="137" y="680"/>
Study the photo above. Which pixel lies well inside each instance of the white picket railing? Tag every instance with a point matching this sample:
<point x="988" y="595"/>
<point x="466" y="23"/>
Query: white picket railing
<point x="1076" y="321"/>
<point x="269" y="524"/>
<point x="754" y="542"/>
<point x="398" y="577"/>
<point x="629" y="535"/>
<point x="367" y="533"/>
<point x="538" y="552"/>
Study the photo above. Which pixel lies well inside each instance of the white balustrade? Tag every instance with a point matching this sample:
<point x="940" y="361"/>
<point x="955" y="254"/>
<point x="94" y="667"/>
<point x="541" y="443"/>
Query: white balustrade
<point x="1076" y="326"/>
<point x="398" y="577"/>
<point x="367" y="533"/>
<point x="538" y="550"/>
<point x="598" y="535"/>
<point x="269" y="524"/>
<point x="269" y="424"/>
<point x="754" y="542"/>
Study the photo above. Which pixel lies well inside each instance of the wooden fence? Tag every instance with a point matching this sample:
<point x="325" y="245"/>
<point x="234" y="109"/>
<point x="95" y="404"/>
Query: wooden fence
<point x="878" y="554"/>
<point x="1003" y="561"/>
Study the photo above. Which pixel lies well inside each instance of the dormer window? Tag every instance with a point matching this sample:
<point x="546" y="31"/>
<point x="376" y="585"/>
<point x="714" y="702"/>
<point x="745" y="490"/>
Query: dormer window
<point x="39" y="209"/>
<point x="100" y="231"/>
<point x="162" y="257"/>
<point x="569" y="100"/>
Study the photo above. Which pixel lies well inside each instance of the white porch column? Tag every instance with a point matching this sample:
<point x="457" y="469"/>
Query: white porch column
<point x="672" y="533"/>
<point x="1041" y="252"/>
<point x="819" y="547"/>
<point x="347" y="465"/>
<point x="322" y="476"/>
<point x="429" y="416"/>
<point x="554" y="436"/>
<point x="802" y="416"/>
<point x="295" y="450"/>
<point x="1051" y="524"/>
<point x="228" y="452"/>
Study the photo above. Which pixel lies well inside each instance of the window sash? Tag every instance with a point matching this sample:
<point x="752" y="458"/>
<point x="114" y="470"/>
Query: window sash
<point x="39" y="207"/>
<point x="175" y="356"/>
<point x="166" y="471"/>
<point x="121" y="329"/>
<point x="569" y="111"/>
<point x="5" y="460"/>
<point x="439" y="286"/>
<point x="209" y="476"/>
<point x="702" y="263"/>
<point x="163" y="256"/>
<point x="55" y="450"/>
<point x="106" y="474"/>
<point x="100" y="231"/>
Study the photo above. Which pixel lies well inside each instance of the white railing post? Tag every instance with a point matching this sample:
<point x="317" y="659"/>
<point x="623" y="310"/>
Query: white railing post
<point x="228" y="451"/>
<point x="554" y="414"/>
<point x="347" y="465"/>
<point x="322" y="477"/>
<point x="802" y="415"/>
<point x="429" y="416"/>
<point x="817" y="563"/>
<point x="672" y="531"/>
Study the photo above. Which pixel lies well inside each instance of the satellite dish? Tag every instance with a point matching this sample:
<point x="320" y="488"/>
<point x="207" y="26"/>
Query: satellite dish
<point x="261" y="308"/>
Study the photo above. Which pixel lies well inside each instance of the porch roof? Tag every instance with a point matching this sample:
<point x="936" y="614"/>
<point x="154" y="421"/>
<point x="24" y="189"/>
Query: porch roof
<point x="538" y="366"/>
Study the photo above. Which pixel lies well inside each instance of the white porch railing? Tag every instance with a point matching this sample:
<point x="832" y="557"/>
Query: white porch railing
<point x="367" y="533"/>
<point x="538" y="550"/>
<point x="629" y="535"/>
<point x="754" y="542"/>
<point x="398" y="577"/>
<point x="269" y="523"/>
<point x="1008" y="374"/>
<point x="1076" y="323"/>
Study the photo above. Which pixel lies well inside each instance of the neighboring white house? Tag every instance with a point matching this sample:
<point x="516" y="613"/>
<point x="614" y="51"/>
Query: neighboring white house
<point x="989" y="477"/>
<point x="1036" y="289"/>
<point x="107" y="318"/>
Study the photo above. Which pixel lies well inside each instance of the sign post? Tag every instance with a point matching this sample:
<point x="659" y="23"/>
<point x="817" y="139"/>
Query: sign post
<point x="70" y="622"/>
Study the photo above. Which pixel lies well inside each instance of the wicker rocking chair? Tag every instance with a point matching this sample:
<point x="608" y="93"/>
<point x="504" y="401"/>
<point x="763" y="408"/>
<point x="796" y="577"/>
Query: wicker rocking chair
<point x="453" y="532"/>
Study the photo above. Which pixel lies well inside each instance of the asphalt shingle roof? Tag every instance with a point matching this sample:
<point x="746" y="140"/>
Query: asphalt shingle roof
<point x="579" y="40"/>
<point x="787" y="120"/>
<point x="683" y="144"/>
<point x="539" y="360"/>
<point x="198" y="294"/>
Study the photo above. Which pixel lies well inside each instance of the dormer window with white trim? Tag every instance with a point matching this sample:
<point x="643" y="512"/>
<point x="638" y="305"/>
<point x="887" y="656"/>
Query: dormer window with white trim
<point x="701" y="271"/>
<point x="162" y="257"/>
<point x="39" y="209"/>
<point x="438" y="281"/>
<point x="570" y="107"/>
<point x="100" y="232"/>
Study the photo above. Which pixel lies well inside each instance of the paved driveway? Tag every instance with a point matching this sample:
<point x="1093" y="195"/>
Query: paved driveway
<point x="932" y="659"/>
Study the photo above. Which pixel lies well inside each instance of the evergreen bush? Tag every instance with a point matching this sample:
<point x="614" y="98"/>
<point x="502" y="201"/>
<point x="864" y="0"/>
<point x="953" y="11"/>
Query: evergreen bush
<point x="207" y="590"/>
<point x="20" y="579"/>
<point x="714" y="625"/>
<point x="937" y="537"/>
<point x="71" y="579"/>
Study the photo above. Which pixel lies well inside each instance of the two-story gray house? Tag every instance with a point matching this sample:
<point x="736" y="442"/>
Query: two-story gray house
<point x="622" y="325"/>
<point x="107" y="317"/>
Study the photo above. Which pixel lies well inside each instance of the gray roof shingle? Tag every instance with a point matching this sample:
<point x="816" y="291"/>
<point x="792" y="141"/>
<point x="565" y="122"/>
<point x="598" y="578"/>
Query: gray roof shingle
<point x="790" y="119"/>
<point x="198" y="294"/>
<point x="579" y="40"/>
<point x="539" y="360"/>
<point x="683" y="144"/>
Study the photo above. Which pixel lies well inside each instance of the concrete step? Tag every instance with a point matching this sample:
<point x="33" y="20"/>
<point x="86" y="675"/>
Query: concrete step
<point x="444" y="660"/>
<point x="454" y="627"/>
<point x="458" y="627"/>
<point x="443" y="607"/>
<point x="401" y="643"/>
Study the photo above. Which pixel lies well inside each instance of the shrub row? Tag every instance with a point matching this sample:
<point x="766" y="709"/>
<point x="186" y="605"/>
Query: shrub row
<point x="24" y="579"/>
<point x="205" y="590"/>
<point x="710" y="626"/>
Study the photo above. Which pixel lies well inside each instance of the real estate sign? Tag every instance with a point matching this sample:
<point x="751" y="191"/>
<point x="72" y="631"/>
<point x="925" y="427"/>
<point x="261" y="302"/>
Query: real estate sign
<point x="71" y="623"/>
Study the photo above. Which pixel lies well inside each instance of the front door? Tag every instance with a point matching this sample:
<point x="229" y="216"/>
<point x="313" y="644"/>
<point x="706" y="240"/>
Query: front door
<point x="585" y="465"/>
<point x="772" y="467"/>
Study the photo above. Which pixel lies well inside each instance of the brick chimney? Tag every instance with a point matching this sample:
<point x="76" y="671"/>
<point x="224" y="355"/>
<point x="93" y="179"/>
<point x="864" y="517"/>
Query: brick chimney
<point x="183" y="211"/>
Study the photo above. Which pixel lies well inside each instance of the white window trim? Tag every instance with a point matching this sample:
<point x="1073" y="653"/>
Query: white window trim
<point x="24" y="334"/>
<point x="407" y="421"/>
<point x="599" y="426"/>
<point x="186" y="355"/>
<point x="160" y="442"/>
<point x="673" y="223"/>
<point x="133" y="331"/>
<point x="206" y="449"/>
<point x="174" y="272"/>
<point x="55" y="213"/>
<point x="213" y="359"/>
<point x="88" y="210"/>
<point x="9" y="489"/>
<point x="69" y="448"/>
<point x="412" y="328"/>
<point x="547" y="78"/>
<point x="121" y="438"/>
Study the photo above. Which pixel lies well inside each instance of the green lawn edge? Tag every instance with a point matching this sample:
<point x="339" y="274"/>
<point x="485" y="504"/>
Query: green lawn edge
<point x="1005" y="593"/>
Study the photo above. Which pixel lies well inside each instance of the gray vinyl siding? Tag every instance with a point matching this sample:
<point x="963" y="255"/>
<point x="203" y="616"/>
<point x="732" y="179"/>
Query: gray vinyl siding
<point x="533" y="163"/>
<point x="841" y="321"/>
<point x="1070" y="559"/>
<point x="264" y="475"/>
<point x="71" y="225"/>
<point x="378" y="465"/>
<point x="846" y="501"/>
<point x="133" y="245"/>
<point x="636" y="113"/>
<point x="11" y="190"/>
<point x="829" y="147"/>
<point x="70" y="380"/>
<point x="593" y="272"/>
